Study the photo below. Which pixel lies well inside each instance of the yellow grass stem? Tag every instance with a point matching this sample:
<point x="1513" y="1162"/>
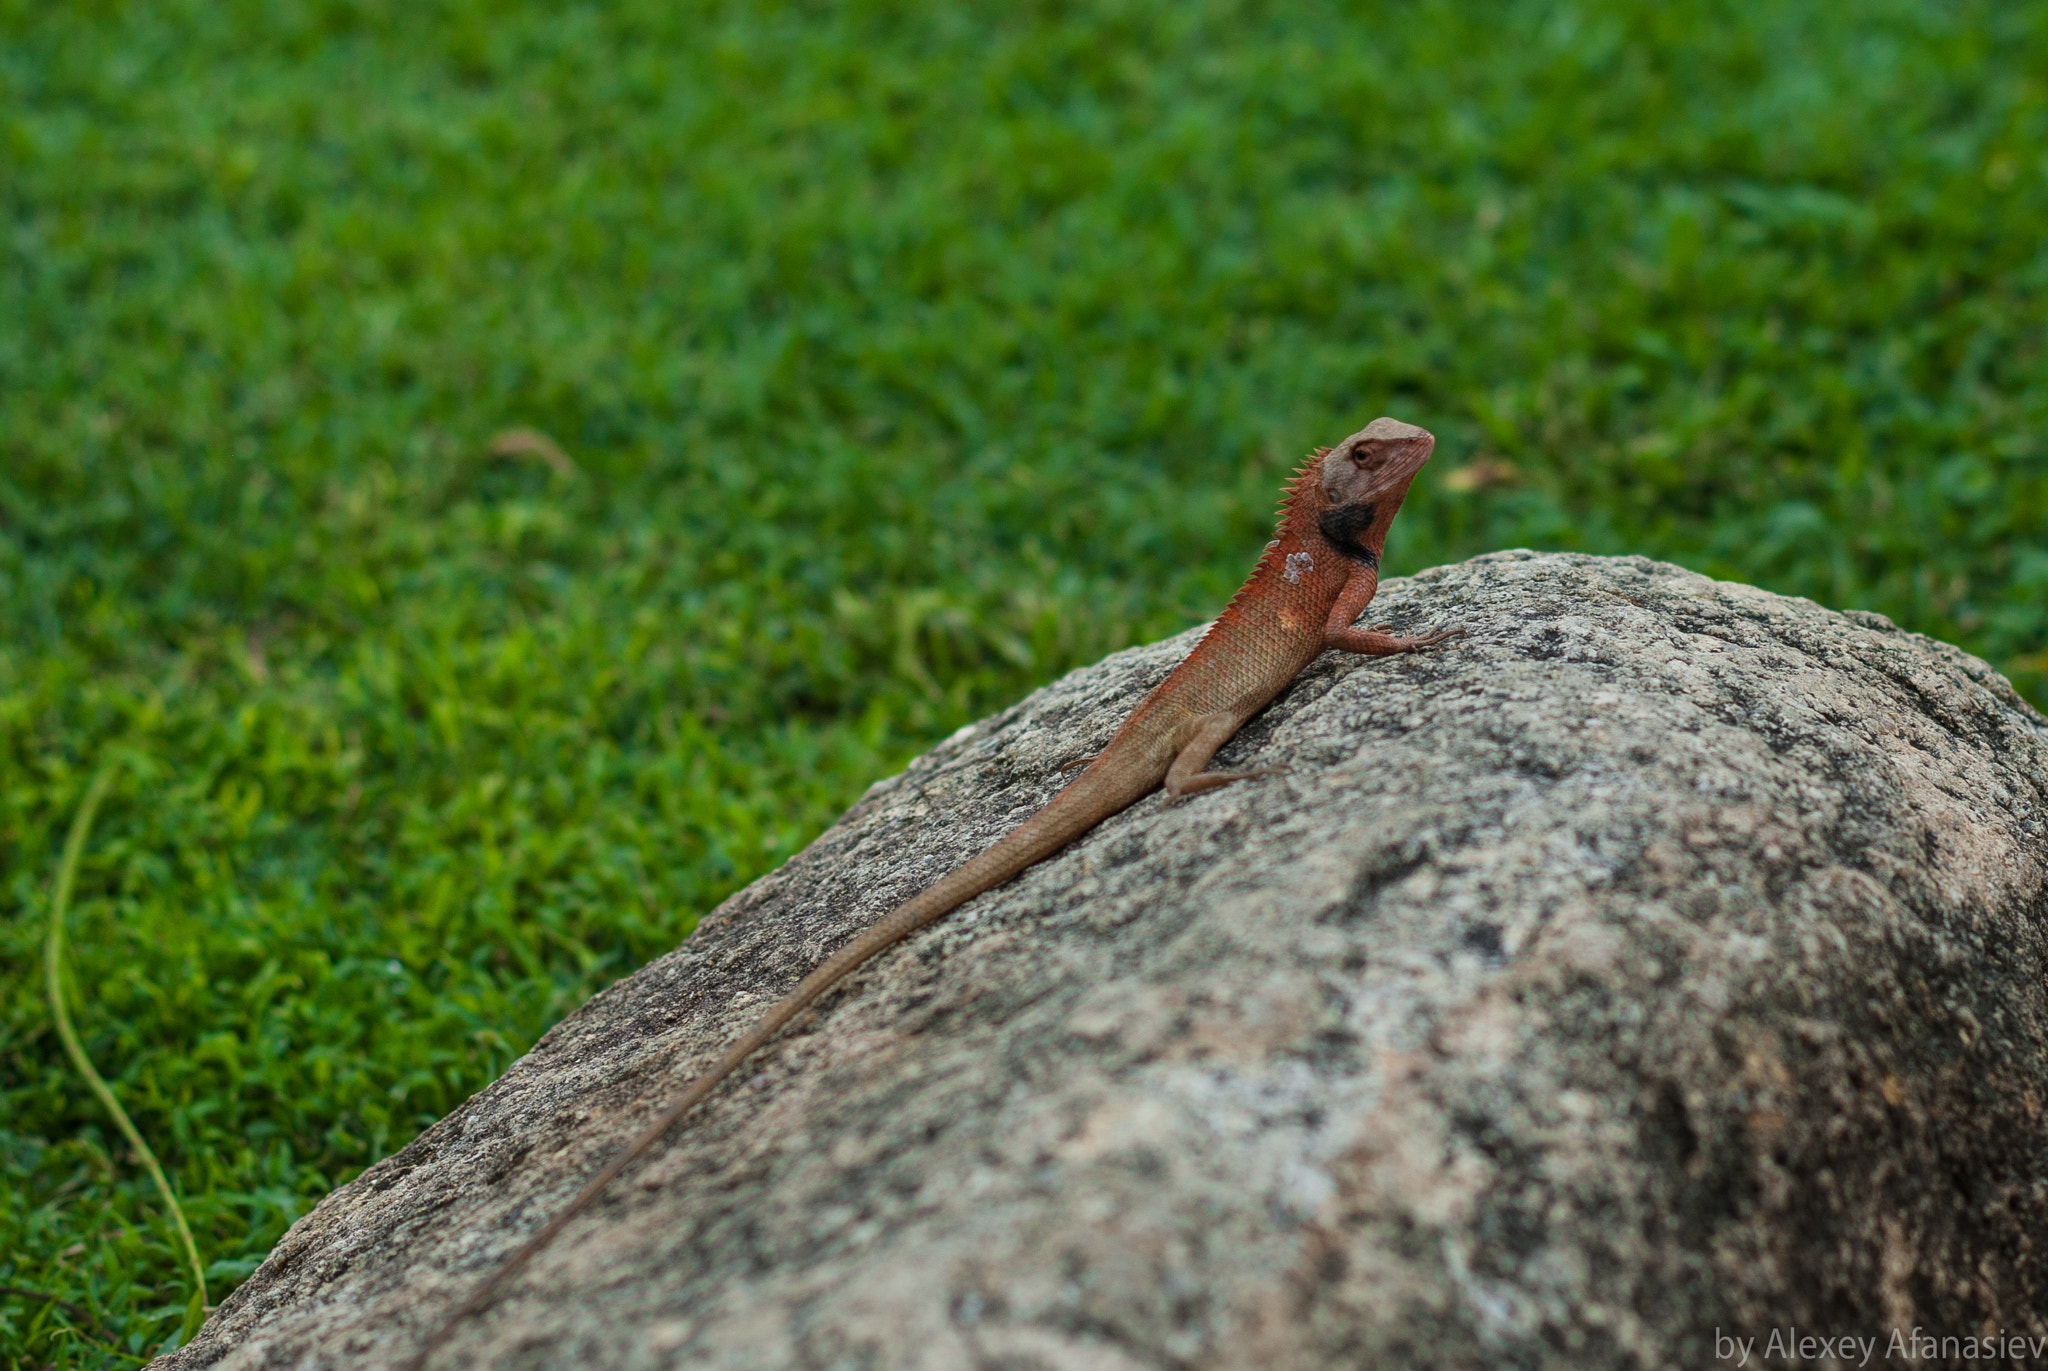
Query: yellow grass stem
<point x="53" y="961"/>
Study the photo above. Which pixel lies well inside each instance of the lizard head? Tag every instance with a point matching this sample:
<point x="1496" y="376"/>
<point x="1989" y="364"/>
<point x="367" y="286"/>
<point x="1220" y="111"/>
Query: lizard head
<point x="1381" y="457"/>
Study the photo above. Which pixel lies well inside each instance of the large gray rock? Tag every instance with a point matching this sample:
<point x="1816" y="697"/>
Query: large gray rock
<point x="1666" y="958"/>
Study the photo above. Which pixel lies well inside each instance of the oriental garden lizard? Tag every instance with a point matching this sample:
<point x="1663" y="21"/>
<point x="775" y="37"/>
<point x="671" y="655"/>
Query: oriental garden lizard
<point x="1314" y="580"/>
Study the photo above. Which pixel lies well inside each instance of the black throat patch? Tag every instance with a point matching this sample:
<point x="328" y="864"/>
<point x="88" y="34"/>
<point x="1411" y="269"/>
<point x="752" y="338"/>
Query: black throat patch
<point x="1344" y="525"/>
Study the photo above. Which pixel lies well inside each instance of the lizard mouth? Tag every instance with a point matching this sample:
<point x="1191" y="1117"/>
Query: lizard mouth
<point x="1394" y="475"/>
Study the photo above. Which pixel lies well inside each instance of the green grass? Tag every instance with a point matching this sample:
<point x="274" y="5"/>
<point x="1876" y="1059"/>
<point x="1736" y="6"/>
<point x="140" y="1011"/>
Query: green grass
<point x="907" y="359"/>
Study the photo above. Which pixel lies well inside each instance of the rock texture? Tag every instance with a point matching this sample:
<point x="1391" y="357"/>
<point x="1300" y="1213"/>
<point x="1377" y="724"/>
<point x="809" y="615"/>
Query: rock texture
<point x="1668" y="958"/>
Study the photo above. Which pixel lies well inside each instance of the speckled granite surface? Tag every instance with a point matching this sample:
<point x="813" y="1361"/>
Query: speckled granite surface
<point x="1668" y="956"/>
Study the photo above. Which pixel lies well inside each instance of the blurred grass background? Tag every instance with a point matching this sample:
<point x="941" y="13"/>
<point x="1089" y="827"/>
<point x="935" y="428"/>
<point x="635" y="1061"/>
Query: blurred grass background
<point x="902" y="358"/>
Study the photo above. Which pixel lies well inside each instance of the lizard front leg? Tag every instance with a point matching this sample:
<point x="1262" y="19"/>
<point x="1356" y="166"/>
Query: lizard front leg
<point x="1371" y="642"/>
<point x="1186" y="777"/>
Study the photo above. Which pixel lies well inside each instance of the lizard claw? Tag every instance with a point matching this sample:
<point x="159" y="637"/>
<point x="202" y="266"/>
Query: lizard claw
<point x="1068" y="765"/>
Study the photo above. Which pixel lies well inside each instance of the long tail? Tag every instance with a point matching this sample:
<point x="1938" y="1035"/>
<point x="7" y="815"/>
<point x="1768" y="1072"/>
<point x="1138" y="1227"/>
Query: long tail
<point x="1095" y="795"/>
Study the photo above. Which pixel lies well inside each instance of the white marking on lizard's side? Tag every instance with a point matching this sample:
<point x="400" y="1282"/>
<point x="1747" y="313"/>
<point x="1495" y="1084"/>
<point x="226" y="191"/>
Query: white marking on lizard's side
<point x="1297" y="563"/>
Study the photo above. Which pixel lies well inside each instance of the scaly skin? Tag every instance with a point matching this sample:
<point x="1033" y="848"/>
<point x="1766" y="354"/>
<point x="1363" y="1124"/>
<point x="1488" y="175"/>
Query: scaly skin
<point x="1313" y="582"/>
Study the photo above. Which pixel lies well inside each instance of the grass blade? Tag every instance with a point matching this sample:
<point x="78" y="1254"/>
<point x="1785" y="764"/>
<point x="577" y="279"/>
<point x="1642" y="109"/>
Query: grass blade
<point x="53" y="961"/>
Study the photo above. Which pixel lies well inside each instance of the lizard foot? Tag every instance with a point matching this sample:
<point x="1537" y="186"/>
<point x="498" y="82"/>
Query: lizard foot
<point x="1210" y="780"/>
<point x="1072" y="762"/>
<point x="1432" y="638"/>
<point x="1377" y="642"/>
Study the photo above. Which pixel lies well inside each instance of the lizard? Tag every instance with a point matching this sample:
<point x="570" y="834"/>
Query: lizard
<point x="1306" y="593"/>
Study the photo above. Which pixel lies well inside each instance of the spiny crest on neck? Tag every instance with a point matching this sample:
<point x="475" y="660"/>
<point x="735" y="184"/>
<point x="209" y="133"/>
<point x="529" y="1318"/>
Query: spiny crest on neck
<point x="1305" y="481"/>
